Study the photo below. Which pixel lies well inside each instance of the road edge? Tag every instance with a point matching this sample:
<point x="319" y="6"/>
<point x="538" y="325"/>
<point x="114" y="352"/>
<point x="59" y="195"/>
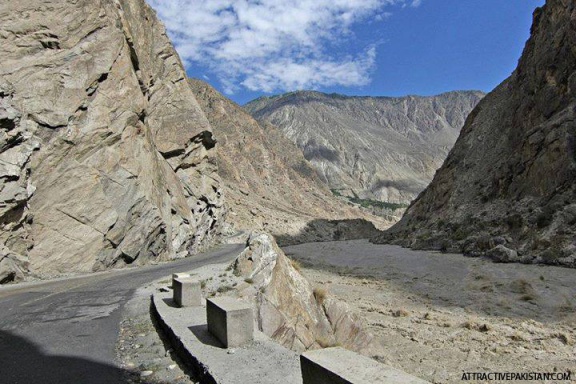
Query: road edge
<point x="199" y="370"/>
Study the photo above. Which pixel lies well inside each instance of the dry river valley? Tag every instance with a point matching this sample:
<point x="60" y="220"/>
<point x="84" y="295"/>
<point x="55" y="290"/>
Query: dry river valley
<point x="439" y="315"/>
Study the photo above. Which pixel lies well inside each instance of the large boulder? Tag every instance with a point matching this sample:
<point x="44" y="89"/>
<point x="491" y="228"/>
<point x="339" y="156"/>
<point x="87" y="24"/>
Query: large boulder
<point x="288" y="308"/>
<point x="106" y="159"/>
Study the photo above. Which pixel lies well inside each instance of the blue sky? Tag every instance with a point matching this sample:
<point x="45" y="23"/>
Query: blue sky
<point x="250" y="48"/>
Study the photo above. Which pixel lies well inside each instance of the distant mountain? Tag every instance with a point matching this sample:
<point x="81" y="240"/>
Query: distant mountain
<point x="268" y="183"/>
<point x="508" y="188"/>
<point x="382" y="148"/>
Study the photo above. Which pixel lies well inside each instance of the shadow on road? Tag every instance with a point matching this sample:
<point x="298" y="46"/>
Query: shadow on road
<point x="22" y="362"/>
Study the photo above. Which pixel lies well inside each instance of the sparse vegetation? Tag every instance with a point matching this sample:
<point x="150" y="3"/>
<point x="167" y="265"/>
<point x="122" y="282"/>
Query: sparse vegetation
<point x="551" y="255"/>
<point x="517" y="336"/>
<point x="469" y="324"/>
<point x="521" y="286"/>
<point x="401" y="313"/>
<point x="474" y="326"/>
<point x="365" y="203"/>
<point x="484" y="327"/>
<point x="460" y="234"/>
<point x="528" y="297"/>
<point x="566" y="306"/>
<point x="524" y="288"/>
<point x="320" y="295"/>
<point x="425" y="236"/>
<point x="296" y="264"/>
<point x="369" y="203"/>
<point x="224" y="288"/>
<point x="565" y="339"/>
<point x="249" y="280"/>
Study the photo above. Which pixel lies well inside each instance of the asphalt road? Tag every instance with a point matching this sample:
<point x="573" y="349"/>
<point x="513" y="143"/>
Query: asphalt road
<point x="65" y="331"/>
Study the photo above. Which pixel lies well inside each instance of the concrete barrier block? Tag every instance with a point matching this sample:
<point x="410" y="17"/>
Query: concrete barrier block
<point x="230" y="320"/>
<point x="179" y="276"/>
<point x="341" y="366"/>
<point x="187" y="292"/>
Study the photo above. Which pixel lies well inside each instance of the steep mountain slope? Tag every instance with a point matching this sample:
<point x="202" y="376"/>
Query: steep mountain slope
<point x="380" y="148"/>
<point x="105" y="156"/>
<point x="268" y="183"/>
<point x="508" y="188"/>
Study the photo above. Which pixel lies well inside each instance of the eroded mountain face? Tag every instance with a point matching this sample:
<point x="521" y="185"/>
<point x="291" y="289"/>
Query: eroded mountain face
<point x="105" y="156"/>
<point x="380" y="148"/>
<point x="268" y="182"/>
<point x="508" y="188"/>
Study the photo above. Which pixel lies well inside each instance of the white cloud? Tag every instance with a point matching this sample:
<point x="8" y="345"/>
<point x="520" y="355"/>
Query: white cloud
<point x="383" y="16"/>
<point x="272" y="45"/>
<point x="287" y="74"/>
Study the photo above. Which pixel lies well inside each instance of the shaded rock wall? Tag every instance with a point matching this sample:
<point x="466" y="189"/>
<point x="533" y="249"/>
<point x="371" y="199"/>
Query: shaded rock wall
<point x="331" y="230"/>
<point x="106" y="158"/>
<point x="508" y="188"/>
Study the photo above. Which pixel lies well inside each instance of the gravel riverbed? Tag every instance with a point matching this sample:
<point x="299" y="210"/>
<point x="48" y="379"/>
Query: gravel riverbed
<point x="439" y="315"/>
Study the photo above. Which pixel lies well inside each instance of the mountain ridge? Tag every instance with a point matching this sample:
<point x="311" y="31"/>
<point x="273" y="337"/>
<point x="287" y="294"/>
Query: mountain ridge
<point x="337" y="95"/>
<point x="380" y="148"/>
<point x="268" y="183"/>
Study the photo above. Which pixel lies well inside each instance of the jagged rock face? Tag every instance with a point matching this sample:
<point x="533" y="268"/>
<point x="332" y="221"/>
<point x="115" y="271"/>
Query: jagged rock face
<point x="508" y="187"/>
<point x="288" y="309"/>
<point x="269" y="184"/>
<point x="105" y="155"/>
<point x="380" y="148"/>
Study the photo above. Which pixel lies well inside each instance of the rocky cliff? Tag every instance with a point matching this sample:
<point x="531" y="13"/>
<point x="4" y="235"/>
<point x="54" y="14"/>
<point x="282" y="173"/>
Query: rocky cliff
<point x="268" y="183"/>
<point x="106" y="158"/>
<point x="508" y="188"/>
<point x="382" y="148"/>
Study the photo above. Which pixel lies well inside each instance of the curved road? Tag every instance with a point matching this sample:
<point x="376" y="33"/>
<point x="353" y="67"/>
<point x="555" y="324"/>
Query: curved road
<point x="65" y="331"/>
